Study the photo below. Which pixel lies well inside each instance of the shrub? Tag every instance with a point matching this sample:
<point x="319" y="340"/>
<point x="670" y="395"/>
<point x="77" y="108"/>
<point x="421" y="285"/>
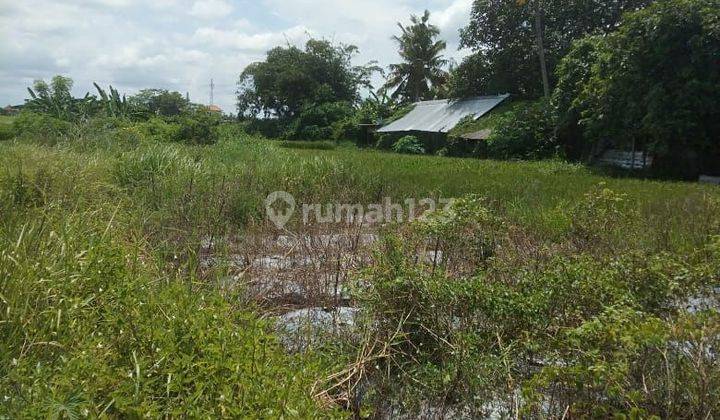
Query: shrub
<point x="386" y="141"/>
<point x="311" y="132"/>
<point x="460" y="147"/>
<point x="410" y="145"/>
<point x="271" y="128"/>
<point x="6" y="132"/>
<point x="602" y="335"/>
<point x="159" y="129"/>
<point x="6" y="129"/>
<point x="602" y="216"/>
<point x="41" y="127"/>
<point x="526" y="133"/>
<point x="320" y="122"/>
<point x="198" y="127"/>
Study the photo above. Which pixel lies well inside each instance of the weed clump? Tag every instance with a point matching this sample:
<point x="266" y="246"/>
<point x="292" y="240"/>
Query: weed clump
<point x="575" y="332"/>
<point x="409" y="145"/>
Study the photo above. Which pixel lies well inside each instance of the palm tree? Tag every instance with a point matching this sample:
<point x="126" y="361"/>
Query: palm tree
<point x="421" y="69"/>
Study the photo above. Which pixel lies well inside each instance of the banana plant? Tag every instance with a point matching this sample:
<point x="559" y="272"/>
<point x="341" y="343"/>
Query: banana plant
<point x="55" y="103"/>
<point x="115" y="106"/>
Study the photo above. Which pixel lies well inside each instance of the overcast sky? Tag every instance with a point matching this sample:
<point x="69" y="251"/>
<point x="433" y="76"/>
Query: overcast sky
<point x="182" y="44"/>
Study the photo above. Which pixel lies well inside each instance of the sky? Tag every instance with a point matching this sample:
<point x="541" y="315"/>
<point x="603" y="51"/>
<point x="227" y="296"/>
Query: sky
<point x="182" y="44"/>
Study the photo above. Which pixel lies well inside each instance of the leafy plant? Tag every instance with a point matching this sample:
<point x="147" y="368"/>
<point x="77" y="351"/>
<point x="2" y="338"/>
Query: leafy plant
<point x="409" y="145"/>
<point x="56" y="100"/>
<point x="503" y="37"/>
<point x="114" y="106"/>
<point x="198" y="127"/>
<point x="421" y="70"/>
<point x="652" y="85"/>
<point x="525" y="133"/>
<point x="41" y="127"/>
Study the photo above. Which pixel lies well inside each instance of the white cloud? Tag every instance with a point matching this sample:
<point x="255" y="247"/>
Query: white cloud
<point x="181" y="44"/>
<point x="259" y="42"/>
<point x="450" y="20"/>
<point x="211" y="9"/>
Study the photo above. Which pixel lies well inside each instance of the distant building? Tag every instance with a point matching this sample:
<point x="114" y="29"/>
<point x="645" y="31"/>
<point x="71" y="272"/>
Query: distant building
<point x="10" y="110"/>
<point x="215" y="108"/>
<point x="478" y="135"/>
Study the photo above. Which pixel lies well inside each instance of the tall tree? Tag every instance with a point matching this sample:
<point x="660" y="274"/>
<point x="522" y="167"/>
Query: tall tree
<point x="652" y="85"/>
<point x="510" y="37"/>
<point x="422" y="66"/>
<point x="291" y="78"/>
<point x="159" y="102"/>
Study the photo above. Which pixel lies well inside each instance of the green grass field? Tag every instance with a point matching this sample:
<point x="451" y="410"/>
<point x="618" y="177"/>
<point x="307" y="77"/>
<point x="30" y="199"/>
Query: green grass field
<point x="102" y="310"/>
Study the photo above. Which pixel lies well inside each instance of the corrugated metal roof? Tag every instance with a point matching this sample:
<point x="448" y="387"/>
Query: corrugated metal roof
<point x="442" y="116"/>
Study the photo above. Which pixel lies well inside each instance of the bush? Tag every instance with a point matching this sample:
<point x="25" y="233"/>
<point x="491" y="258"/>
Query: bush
<point x="460" y="147"/>
<point x="386" y="141"/>
<point x="602" y="217"/>
<point x="159" y="129"/>
<point x="272" y="128"/>
<point x="41" y="127"/>
<point x="198" y="127"/>
<point x="410" y="145"/>
<point x="320" y="122"/>
<point x="526" y="133"/>
<point x="6" y="132"/>
<point x="576" y="333"/>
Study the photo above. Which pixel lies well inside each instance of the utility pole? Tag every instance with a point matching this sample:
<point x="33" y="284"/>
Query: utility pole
<point x="212" y="92"/>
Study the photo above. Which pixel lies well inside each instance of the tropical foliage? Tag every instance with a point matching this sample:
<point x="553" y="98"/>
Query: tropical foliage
<point x="421" y="72"/>
<point x="52" y="114"/>
<point x="652" y="85"/>
<point x="56" y="100"/>
<point x="291" y="78"/>
<point x="503" y="36"/>
<point x="303" y="92"/>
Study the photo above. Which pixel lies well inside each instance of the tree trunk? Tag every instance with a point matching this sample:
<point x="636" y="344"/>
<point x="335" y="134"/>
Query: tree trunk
<point x="541" y="47"/>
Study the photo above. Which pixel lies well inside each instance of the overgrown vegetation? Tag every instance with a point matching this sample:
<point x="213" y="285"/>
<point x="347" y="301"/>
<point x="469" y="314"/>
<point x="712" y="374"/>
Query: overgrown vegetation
<point x="496" y="324"/>
<point x="53" y="114"/>
<point x="130" y="230"/>
<point x="409" y="145"/>
<point x="105" y="309"/>
<point x="651" y="85"/>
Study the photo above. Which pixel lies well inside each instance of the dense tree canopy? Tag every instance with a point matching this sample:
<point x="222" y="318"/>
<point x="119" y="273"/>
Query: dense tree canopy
<point x="502" y="34"/>
<point x="160" y="102"/>
<point x="291" y="78"/>
<point x="654" y="85"/>
<point x="421" y="70"/>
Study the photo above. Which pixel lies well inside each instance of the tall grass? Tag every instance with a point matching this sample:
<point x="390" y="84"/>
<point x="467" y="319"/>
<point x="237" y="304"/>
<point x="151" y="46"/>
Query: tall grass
<point x="99" y="318"/>
<point x="103" y="310"/>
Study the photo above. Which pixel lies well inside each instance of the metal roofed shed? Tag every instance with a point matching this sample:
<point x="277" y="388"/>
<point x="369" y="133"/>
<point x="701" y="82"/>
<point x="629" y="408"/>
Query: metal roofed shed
<point x="478" y="135"/>
<point x="443" y="115"/>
